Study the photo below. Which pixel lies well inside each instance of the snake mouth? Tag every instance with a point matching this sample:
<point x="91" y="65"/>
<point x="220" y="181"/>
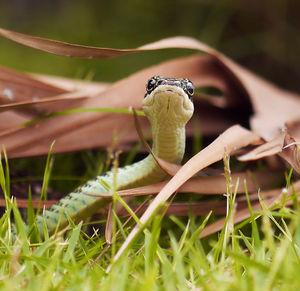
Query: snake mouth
<point x="168" y="105"/>
<point x="170" y="92"/>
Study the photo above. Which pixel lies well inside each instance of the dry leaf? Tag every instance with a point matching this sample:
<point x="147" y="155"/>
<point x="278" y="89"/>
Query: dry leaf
<point x="72" y="84"/>
<point x="267" y="149"/>
<point x="208" y="185"/>
<point x="185" y="208"/>
<point x="284" y="145"/>
<point x="19" y="88"/>
<point x="291" y="152"/>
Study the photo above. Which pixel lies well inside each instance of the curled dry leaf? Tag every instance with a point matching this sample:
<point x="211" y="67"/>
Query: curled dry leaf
<point x="291" y="152"/>
<point x="80" y="51"/>
<point x="185" y="208"/>
<point x="196" y="208"/>
<point x="208" y="185"/>
<point x="284" y="145"/>
<point x="270" y="148"/>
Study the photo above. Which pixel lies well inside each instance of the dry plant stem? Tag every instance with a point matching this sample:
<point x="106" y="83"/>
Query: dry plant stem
<point x="229" y="197"/>
<point x="108" y="226"/>
<point x="114" y="203"/>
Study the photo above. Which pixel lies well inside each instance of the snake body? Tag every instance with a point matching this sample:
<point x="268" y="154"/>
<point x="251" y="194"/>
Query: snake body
<point x="168" y="106"/>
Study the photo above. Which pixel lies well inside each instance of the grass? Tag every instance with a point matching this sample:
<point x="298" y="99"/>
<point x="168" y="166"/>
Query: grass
<point x="263" y="255"/>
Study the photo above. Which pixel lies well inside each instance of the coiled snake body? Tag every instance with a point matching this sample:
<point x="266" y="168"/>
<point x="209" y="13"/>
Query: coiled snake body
<point x="168" y="106"/>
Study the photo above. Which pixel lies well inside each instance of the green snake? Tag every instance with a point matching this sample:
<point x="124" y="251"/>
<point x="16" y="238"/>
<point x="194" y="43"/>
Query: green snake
<point x="168" y="106"/>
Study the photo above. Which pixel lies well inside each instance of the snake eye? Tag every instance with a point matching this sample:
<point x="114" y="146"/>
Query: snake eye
<point x="190" y="88"/>
<point x="150" y="85"/>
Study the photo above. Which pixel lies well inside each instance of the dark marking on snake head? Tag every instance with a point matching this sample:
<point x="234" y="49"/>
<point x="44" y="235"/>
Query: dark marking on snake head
<point x="156" y="81"/>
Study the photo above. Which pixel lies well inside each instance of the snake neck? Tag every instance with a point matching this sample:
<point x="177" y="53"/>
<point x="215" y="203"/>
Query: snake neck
<point x="168" y="142"/>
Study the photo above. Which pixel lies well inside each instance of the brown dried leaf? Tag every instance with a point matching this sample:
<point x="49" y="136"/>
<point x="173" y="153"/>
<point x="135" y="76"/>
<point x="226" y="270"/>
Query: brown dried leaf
<point x="185" y="208"/>
<point x="208" y="185"/>
<point x="39" y="109"/>
<point x="284" y="145"/>
<point x="80" y="51"/>
<point x="291" y="152"/>
<point x="18" y="88"/>
<point x="72" y="84"/>
<point x="270" y="148"/>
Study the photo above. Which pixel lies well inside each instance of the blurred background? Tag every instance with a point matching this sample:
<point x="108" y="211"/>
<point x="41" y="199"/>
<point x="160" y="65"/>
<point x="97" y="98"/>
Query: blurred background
<point x="261" y="35"/>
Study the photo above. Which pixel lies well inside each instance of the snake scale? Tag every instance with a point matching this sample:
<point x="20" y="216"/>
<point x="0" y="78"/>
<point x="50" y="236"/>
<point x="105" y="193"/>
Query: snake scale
<point x="168" y="106"/>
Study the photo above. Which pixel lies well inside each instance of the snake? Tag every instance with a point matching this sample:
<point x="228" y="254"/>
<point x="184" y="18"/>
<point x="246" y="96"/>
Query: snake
<point x="168" y="105"/>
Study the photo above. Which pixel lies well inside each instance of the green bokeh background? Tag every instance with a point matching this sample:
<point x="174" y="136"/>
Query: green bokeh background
<point x="261" y="35"/>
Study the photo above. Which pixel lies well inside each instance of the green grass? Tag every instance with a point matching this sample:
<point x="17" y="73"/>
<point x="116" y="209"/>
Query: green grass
<point x="262" y="255"/>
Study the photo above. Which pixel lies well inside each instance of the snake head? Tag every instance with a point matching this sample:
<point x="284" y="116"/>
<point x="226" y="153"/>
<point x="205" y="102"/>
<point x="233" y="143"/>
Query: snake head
<point x="169" y="100"/>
